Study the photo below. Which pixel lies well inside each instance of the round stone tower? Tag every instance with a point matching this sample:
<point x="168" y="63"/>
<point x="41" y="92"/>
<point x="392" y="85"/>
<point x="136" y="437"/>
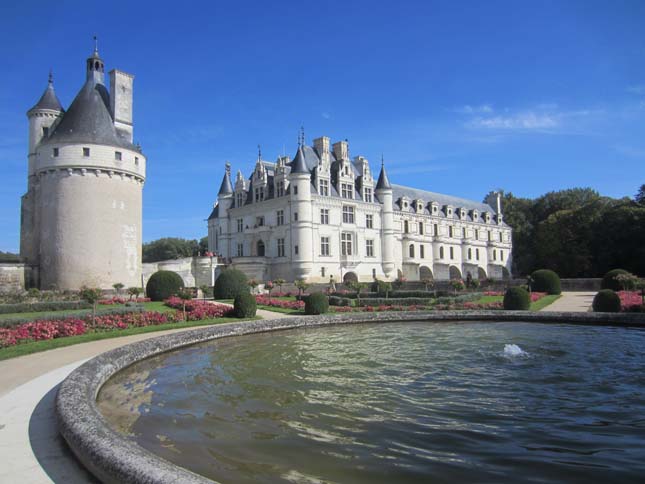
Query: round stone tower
<point x="301" y="223"/>
<point x="384" y="193"/>
<point x="87" y="186"/>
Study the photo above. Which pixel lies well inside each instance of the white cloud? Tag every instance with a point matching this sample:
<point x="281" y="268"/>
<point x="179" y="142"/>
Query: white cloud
<point x="639" y="89"/>
<point x="523" y="121"/>
<point x="325" y="115"/>
<point x="469" y="109"/>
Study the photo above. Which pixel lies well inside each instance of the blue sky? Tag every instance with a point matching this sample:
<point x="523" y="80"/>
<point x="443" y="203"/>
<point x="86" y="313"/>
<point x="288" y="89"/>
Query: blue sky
<point x="460" y="97"/>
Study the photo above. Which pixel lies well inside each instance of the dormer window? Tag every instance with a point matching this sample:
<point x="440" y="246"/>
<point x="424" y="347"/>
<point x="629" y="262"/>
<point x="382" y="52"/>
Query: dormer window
<point x="475" y="215"/>
<point x="280" y="189"/>
<point x="462" y="214"/>
<point x="347" y="190"/>
<point x="368" y="195"/>
<point x="239" y="199"/>
<point x="259" y="194"/>
<point x="323" y="188"/>
<point x="435" y="209"/>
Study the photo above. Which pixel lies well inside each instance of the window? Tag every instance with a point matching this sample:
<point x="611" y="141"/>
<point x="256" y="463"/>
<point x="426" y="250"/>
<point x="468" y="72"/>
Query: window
<point x="136" y="160"/>
<point x="240" y="250"/>
<point x="369" y="221"/>
<point x="452" y="252"/>
<point x="324" y="216"/>
<point x="295" y="216"/>
<point x="280" y="189"/>
<point x="436" y="230"/>
<point x="441" y="252"/>
<point x="449" y="212"/>
<point x="324" y="188"/>
<point x="118" y="156"/>
<point x="422" y="251"/>
<point x="322" y="272"/>
<point x="240" y="225"/>
<point x="476" y="234"/>
<point x="463" y="232"/>
<point x="280" y="217"/>
<point x="295" y="190"/>
<point x="373" y="273"/>
<point x="216" y="242"/>
<point x="420" y="228"/>
<point x="369" y="248"/>
<point x="501" y="237"/>
<point x="406" y="227"/>
<point x="348" y="214"/>
<point x="450" y="231"/>
<point x="280" y="247"/>
<point x="55" y="152"/>
<point x="470" y="254"/>
<point x="501" y="255"/>
<point x="346" y="243"/>
<point x="494" y="254"/>
<point x="434" y="209"/>
<point x="324" y="246"/>
<point x="239" y="199"/>
<point x="368" y="195"/>
<point x="477" y="254"/>
<point x="86" y="152"/>
<point x="295" y="249"/>
<point x="259" y="221"/>
<point x="45" y="131"/>
<point x="489" y="236"/>
<point x="347" y="190"/>
<point x="259" y="194"/>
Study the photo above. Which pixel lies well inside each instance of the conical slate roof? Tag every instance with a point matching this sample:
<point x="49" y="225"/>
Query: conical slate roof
<point x="48" y="100"/>
<point x="298" y="165"/>
<point x="88" y="119"/>
<point x="383" y="182"/>
<point x="226" y="188"/>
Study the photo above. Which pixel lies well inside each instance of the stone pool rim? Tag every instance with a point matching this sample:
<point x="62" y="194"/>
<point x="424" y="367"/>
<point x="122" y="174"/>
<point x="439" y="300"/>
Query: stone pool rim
<point x="113" y="458"/>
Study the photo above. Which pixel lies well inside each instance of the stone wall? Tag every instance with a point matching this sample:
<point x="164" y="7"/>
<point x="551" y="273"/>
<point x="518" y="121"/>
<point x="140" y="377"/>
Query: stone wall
<point x="16" y="276"/>
<point x="195" y="271"/>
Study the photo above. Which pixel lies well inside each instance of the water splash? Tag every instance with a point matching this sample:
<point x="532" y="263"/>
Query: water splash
<point x="513" y="351"/>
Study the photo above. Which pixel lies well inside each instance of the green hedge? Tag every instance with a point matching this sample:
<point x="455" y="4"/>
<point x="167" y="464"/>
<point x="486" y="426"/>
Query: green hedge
<point x="545" y="280"/>
<point x="606" y="301"/>
<point x="244" y="305"/>
<point x="316" y="303"/>
<point x="43" y="306"/>
<point x="163" y="284"/>
<point x="517" y="298"/>
<point x="608" y="281"/>
<point x="230" y="284"/>
<point x="132" y="308"/>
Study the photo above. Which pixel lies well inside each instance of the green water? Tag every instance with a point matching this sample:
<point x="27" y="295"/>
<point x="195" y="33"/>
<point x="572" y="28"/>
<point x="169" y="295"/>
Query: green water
<point x="395" y="403"/>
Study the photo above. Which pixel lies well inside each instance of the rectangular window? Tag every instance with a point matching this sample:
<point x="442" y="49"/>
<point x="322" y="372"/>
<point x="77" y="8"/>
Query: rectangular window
<point x="477" y="254"/>
<point x="346" y="243"/>
<point x="369" y="221"/>
<point x="280" y="189"/>
<point x="322" y="272"/>
<point x="452" y="252"/>
<point x="259" y="221"/>
<point x="489" y="236"/>
<point x="280" y="247"/>
<point x="422" y="251"/>
<point x="463" y="232"/>
<point x="86" y="152"/>
<point x="501" y="255"/>
<point x="412" y="251"/>
<point x="117" y="155"/>
<point x="136" y="160"/>
<point x="324" y="216"/>
<point x="55" y="152"/>
<point x="280" y="217"/>
<point x="436" y="230"/>
<point x="373" y="273"/>
<point x="420" y="228"/>
<point x="369" y="248"/>
<point x="240" y="250"/>
<point x="324" y="188"/>
<point x="259" y="194"/>
<point x="45" y="131"/>
<point x="476" y="234"/>
<point x="494" y="254"/>
<point x="295" y="249"/>
<point x="295" y="216"/>
<point x="239" y="199"/>
<point x="348" y="214"/>
<point x="368" y="195"/>
<point x="470" y="254"/>
<point x="295" y="190"/>
<point x="324" y="246"/>
<point x="347" y="190"/>
<point x="240" y="225"/>
<point x="501" y="237"/>
<point x="406" y="227"/>
<point x="449" y="230"/>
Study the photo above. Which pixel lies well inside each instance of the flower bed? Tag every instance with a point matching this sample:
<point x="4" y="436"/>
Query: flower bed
<point x="630" y="300"/>
<point x="196" y="309"/>
<point x="279" y="303"/>
<point x="122" y="300"/>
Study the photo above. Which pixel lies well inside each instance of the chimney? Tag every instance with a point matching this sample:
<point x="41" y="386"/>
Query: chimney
<point x="341" y="151"/>
<point x="121" y="102"/>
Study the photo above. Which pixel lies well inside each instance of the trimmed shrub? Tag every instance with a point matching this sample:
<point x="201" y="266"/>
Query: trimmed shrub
<point x="517" y="299"/>
<point x="547" y="281"/>
<point x="230" y="283"/>
<point x="316" y="303"/>
<point x="163" y="284"/>
<point x="606" y="301"/>
<point x="43" y="306"/>
<point x="244" y="305"/>
<point x="609" y="281"/>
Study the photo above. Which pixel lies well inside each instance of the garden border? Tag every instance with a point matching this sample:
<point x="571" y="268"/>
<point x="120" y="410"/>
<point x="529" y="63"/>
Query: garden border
<point x="113" y="458"/>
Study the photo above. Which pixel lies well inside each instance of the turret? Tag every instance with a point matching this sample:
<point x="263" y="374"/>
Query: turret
<point x="95" y="70"/>
<point x="384" y="194"/>
<point x="301" y="216"/>
<point x="42" y="116"/>
<point x="225" y="194"/>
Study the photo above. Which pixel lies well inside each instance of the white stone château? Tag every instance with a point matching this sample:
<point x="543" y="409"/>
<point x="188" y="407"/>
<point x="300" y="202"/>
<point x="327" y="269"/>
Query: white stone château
<point x="323" y="215"/>
<point x="81" y="215"/>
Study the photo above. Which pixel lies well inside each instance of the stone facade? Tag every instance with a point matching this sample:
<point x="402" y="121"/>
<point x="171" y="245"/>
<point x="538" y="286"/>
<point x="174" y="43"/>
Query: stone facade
<point x="194" y="271"/>
<point x="322" y="215"/>
<point x="81" y="216"/>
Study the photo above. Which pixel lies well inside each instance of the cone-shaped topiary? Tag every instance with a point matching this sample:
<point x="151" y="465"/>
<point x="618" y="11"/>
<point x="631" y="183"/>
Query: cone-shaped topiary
<point x="163" y="284"/>
<point x="606" y="301"/>
<point x="609" y="280"/>
<point x="316" y="303"/>
<point x="230" y="283"/>
<point x="547" y="281"/>
<point x="244" y="305"/>
<point x="517" y="298"/>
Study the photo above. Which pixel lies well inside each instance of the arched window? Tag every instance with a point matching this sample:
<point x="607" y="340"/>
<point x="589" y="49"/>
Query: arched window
<point x="412" y="250"/>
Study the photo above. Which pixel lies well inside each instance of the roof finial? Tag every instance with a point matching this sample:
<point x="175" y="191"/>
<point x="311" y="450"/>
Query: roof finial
<point x="259" y="153"/>
<point x="382" y="160"/>
<point x="96" y="45"/>
<point x="228" y="168"/>
<point x="51" y="77"/>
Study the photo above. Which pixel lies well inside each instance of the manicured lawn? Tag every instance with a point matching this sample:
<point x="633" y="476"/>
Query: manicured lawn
<point x="489" y="299"/>
<point x="44" y="314"/>
<point x="50" y="344"/>
<point x="293" y="312"/>
<point x="544" y="302"/>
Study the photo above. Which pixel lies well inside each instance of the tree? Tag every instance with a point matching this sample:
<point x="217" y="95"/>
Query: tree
<point x="9" y="257"/>
<point x="302" y="286"/>
<point x="169" y="248"/>
<point x="134" y="292"/>
<point x="279" y="283"/>
<point x="92" y="296"/>
<point x="185" y="295"/>
<point x="203" y="245"/>
<point x="117" y="287"/>
<point x="640" y="196"/>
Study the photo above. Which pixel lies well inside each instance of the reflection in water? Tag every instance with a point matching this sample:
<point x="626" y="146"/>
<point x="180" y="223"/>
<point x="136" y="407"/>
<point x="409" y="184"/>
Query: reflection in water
<point x="397" y="402"/>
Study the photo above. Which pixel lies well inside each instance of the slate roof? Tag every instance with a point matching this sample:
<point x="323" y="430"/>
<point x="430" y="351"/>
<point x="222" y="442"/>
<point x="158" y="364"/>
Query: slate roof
<point x="226" y="188"/>
<point x="383" y="182"/>
<point x="88" y="120"/>
<point x="399" y="191"/>
<point x="48" y="100"/>
<point x="298" y="165"/>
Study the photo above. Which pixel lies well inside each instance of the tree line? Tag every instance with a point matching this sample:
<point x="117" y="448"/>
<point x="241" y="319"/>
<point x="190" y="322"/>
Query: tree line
<point x="577" y="232"/>
<point x="173" y="248"/>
